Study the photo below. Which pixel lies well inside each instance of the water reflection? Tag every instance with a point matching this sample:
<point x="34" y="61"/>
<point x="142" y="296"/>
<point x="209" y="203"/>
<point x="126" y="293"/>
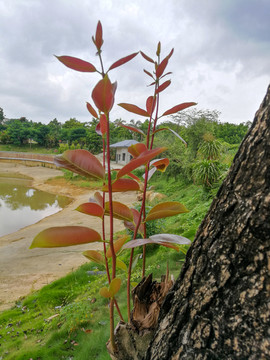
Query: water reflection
<point x="21" y="205"/>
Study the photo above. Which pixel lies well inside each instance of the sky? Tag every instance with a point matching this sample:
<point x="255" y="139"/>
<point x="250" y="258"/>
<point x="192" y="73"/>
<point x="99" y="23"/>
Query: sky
<point x="221" y="55"/>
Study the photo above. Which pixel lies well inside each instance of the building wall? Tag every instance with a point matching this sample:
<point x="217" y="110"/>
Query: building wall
<point x="122" y="155"/>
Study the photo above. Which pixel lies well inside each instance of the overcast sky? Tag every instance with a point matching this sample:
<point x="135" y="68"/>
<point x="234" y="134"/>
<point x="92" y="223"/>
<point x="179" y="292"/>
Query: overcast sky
<point x="221" y="58"/>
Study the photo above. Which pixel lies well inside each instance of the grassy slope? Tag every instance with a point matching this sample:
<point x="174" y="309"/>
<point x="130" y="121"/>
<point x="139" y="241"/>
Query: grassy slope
<point x="80" y="327"/>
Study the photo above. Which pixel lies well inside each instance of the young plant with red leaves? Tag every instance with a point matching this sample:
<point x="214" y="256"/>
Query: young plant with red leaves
<point x="84" y="163"/>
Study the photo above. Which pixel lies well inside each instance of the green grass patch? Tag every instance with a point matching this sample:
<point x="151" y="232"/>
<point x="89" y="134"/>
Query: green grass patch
<point x="68" y="319"/>
<point x="27" y="148"/>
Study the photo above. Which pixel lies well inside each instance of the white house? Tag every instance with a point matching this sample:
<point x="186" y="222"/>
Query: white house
<point x="122" y="155"/>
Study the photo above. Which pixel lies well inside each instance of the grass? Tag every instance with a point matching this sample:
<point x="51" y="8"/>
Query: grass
<point x="68" y="319"/>
<point x="26" y="148"/>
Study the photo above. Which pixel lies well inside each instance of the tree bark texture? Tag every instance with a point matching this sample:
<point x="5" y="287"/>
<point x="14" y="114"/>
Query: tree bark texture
<point x="219" y="307"/>
<point x="132" y="339"/>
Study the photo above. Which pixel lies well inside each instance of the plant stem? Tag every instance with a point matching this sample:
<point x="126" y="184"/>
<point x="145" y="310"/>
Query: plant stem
<point x="103" y="222"/>
<point x="112" y="325"/>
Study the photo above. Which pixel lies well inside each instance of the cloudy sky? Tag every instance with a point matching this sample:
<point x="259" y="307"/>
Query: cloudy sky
<point x="221" y="58"/>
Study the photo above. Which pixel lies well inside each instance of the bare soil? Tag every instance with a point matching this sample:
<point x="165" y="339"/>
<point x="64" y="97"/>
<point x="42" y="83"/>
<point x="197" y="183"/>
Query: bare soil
<point x="23" y="270"/>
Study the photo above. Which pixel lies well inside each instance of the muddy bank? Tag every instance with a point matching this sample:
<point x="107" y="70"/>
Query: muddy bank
<point x="23" y="270"/>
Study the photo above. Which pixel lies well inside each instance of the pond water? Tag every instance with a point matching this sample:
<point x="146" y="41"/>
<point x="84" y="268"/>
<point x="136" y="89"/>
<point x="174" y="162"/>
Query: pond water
<point x="21" y="205"/>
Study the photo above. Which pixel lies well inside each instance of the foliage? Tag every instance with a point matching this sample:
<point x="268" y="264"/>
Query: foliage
<point x="85" y="163"/>
<point x="144" y="153"/>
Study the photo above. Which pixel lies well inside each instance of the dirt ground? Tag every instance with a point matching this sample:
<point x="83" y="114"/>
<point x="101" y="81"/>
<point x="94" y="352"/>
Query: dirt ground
<point x="23" y="270"/>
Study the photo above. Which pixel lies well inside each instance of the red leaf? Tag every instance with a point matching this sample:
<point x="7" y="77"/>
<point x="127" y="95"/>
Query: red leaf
<point x="132" y="225"/>
<point x="147" y="57"/>
<point x="163" y="86"/>
<point x="168" y="73"/>
<point x="76" y="64"/>
<point x="148" y="73"/>
<point x="98" y="131"/>
<point x="123" y="185"/>
<point x="120" y="211"/>
<point x="170" y="54"/>
<point x="134" y="177"/>
<point x="103" y="124"/>
<point x="65" y="236"/>
<point x="165" y="209"/>
<point x="103" y="95"/>
<point x="161" y="164"/>
<point x="142" y="159"/>
<point x="81" y="162"/>
<point x="150" y="105"/>
<point x="91" y="110"/>
<point x="98" y="197"/>
<point x="98" y="39"/>
<point x="122" y="61"/>
<point x="132" y="128"/>
<point x="134" y="109"/>
<point x="179" y="107"/>
<point x="136" y="149"/>
<point x="161" y="67"/>
<point x="91" y="208"/>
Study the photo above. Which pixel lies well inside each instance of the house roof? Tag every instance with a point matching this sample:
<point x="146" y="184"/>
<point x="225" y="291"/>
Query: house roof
<point x="124" y="143"/>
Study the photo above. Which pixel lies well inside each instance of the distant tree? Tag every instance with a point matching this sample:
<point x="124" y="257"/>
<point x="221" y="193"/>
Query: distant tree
<point x="40" y="133"/>
<point x="194" y="124"/>
<point x="93" y="142"/>
<point x="54" y="134"/>
<point x="231" y="133"/>
<point x="19" y="131"/>
<point x="72" y="123"/>
<point x="78" y="135"/>
<point x="2" y="116"/>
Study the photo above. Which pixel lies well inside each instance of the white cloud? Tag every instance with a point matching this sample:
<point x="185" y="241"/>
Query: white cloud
<point x="221" y="57"/>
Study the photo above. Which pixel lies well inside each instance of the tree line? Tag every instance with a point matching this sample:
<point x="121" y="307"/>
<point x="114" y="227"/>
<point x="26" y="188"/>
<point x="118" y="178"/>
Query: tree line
<point x="211" y="143"/>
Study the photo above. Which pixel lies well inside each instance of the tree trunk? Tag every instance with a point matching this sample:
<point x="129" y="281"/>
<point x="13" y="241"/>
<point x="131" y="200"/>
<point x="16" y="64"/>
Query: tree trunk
<point x="219" y="307"/>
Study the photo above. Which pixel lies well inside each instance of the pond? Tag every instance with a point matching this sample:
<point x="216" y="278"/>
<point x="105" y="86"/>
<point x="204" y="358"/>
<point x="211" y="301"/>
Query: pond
<point x="22" y="205"/>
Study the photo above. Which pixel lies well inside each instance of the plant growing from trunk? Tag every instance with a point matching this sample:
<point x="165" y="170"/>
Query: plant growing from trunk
<point x="84" y="163"/>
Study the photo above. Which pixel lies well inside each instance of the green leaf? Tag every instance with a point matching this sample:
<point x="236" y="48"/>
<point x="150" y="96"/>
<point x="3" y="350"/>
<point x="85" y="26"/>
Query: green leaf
<point x="95" y="256"/>
<point x="65" y="236"/>
<point x="121" y="265"/>
<point x="165" y="209"/>
<point x="114" y="286"/>
<point x="105" y="292"/>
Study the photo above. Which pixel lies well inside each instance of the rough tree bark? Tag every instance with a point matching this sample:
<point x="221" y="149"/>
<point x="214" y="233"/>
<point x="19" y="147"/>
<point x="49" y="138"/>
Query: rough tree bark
<point x="219" y="307"/>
